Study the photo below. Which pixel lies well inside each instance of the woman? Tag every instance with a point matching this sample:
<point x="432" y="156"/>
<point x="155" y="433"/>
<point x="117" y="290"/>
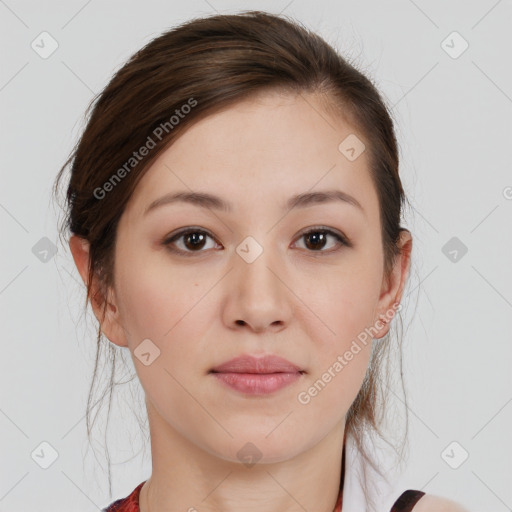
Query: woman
<point x="234" y="208"/>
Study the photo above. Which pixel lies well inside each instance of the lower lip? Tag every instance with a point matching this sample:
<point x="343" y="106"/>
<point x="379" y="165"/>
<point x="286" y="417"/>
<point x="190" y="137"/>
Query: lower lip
<point x="257" y="383"/>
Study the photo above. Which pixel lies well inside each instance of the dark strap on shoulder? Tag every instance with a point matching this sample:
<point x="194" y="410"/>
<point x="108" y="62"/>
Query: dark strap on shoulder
<point x="406" y="501"/>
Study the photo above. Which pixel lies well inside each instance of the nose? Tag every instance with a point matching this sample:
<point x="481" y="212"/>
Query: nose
<point x="257" y="295"/>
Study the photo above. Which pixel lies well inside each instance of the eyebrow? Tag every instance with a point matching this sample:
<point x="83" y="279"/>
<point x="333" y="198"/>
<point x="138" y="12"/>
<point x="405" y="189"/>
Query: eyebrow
<point x="205" y="200"/>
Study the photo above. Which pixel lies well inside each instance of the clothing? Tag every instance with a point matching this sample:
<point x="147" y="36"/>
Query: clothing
<point x="405" y="503"/>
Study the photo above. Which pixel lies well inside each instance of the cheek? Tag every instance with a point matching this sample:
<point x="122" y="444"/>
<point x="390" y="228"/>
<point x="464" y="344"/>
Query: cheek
<point x="154" y="298"/>
<point x="167" y="305"/>
<point x="341" y="356"/>
<point x="336" y="385"/>
<point x="164" y="305"/>
<point x="345" y="305"/>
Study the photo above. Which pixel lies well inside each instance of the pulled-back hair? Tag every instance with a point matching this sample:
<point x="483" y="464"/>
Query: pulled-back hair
<point x="188" y="73"/>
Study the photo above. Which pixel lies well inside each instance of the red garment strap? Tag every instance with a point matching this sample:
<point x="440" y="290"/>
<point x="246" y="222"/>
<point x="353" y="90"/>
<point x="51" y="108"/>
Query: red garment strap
<point x="128" y="504"/>
<point x="407" y="500"/>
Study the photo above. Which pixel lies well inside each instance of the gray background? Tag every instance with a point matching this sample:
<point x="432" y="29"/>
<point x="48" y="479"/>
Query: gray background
<point x="453" y="122"/>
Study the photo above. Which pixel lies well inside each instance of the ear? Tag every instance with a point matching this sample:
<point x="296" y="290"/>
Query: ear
<point x="393" y="286"/>
<point x="110" y="325"/>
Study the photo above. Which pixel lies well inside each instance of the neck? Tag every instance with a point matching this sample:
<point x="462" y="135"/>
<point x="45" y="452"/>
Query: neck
<point x="187" y="477"/>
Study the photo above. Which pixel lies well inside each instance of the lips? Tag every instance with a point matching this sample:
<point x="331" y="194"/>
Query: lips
<point x="260" y="365"/>
<point x="251" y="375"/>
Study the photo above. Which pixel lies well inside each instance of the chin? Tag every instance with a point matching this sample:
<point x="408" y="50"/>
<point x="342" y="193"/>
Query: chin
<point x="253" y="448"/>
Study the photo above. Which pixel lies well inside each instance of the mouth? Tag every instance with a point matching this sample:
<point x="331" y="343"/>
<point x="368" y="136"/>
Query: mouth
<point x="257" y="365"/>
<point x="257" y="375"/>
<point x="257" y="383"/>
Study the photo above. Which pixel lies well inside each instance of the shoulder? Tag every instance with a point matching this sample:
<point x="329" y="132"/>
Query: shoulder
<point x="433" y="503"/>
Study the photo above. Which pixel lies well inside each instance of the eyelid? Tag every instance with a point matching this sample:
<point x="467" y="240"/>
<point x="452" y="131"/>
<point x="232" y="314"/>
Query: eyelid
<point x="169" y="239"/>
<point x="330" y="231"/>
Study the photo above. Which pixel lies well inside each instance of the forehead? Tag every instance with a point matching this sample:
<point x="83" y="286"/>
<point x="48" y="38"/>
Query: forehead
<point x="269" y="147"/>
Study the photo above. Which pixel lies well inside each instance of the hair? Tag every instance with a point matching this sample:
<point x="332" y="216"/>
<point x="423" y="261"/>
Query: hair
<point x="188" y="73"/>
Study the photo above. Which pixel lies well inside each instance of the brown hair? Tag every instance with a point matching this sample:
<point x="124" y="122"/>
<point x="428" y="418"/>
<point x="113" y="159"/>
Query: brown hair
<point x="210" y="64"/>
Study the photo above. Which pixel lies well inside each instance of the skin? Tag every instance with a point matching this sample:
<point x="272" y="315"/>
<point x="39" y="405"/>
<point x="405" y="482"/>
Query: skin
<point x="305" y="304"/>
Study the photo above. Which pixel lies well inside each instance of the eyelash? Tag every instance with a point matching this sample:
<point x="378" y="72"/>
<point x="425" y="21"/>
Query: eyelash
<point x="320" y="229"/>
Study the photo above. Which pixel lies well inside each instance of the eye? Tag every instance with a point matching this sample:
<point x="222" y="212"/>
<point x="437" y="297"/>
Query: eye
<point x="316" y="239"/>
<point x="193" y="241"/>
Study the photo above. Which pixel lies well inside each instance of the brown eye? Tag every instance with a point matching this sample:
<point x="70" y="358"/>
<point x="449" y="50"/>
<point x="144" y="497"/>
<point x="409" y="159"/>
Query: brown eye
<point x="194" y="240"/>
<point x="191" y="241"/>
<point x="317" y="239"/>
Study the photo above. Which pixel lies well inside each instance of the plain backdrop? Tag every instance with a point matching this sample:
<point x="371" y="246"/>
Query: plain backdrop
<point x="444" y="68"/>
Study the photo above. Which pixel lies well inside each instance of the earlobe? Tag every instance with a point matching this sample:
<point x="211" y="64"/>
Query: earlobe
<point x="106" y="314"/>
<point x="111" y="325"/>
<point x="383" y="325"/>
<point x="393" y="287"/>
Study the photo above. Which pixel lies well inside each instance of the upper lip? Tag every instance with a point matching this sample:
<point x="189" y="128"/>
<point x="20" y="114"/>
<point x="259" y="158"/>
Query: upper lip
<point x="251" y="364"/>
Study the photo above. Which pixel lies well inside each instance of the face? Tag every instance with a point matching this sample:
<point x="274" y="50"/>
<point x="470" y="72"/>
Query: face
<point x="255" y="278"/>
